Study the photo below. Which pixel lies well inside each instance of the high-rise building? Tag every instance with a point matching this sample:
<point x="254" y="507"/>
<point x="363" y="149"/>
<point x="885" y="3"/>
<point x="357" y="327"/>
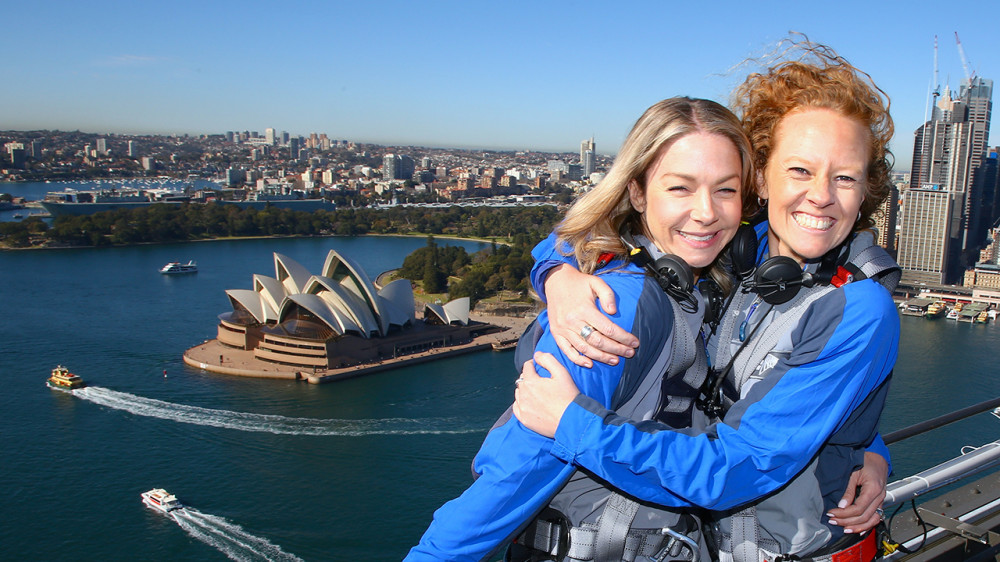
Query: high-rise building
<point x="885" y="220"/>
<point x="589" y="163"/>
<point x="269" y="135"/>
<point x="235" y="176"/>
<point x="943" y="221"/>
<point x="586" y="145"/>
<point x="977" y="93"/>
<point x="925" y="236"/>
<point x="133" y="149"/>
<point x="293" y="148"/>
<point x="406" y="166"/>
<point x="36" y="149"/>
<point x="397" y="167"/>
<point x="102" y="146"/>
<point x="18" y="155"/>
<point x="390" y="166"/>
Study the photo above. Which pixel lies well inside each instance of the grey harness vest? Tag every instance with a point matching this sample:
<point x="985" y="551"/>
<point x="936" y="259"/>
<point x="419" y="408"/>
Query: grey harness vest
<point x="626" y="529"/>
<point x="869" y="261"/>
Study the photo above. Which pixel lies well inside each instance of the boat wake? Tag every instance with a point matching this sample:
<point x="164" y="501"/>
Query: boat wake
<point x="229" y="538"/>
<point x="264" y="423"/>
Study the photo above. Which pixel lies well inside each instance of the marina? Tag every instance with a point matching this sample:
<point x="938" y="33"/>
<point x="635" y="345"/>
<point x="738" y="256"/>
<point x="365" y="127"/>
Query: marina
<point x="976" y="312"/>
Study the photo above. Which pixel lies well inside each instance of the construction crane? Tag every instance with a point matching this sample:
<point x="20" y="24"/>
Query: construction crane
<point x="965" y="62"/>
<point x="937" y="81"/>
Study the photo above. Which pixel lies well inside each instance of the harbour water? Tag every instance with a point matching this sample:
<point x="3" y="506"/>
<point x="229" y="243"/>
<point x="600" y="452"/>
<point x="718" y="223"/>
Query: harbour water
<point x="279" y="469"/>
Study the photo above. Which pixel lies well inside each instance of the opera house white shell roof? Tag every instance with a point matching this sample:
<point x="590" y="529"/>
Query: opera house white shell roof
<point x="455" y="311"/>
<point x="342" y="297"/>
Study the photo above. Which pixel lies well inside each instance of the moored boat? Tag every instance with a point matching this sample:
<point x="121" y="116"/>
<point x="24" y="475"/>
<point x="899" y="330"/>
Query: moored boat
<point x="62" y="379"/>
<point x="161" y="500"/>
<point x="177" y="267"/>
<point x="953" y="314"/>
<point x="982" y="318"/>
<point x="935" y="310"/>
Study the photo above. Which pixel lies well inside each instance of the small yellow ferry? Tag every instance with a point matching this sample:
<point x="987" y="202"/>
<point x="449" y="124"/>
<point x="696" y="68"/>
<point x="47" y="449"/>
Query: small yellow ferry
<point x="62" y="379"/>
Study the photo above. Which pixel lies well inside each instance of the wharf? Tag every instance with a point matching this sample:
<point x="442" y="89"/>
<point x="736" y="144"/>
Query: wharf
<point x="215" y="357"/>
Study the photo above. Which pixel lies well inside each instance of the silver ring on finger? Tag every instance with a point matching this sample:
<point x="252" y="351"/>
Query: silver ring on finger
<point x="518" y="382"/>
<point x="881" y="514"/>
<point x="586" y="330"/>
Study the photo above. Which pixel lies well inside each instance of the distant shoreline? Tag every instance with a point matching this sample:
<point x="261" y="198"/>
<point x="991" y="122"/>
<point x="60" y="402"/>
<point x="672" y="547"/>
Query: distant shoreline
<point x="273" y="236"/>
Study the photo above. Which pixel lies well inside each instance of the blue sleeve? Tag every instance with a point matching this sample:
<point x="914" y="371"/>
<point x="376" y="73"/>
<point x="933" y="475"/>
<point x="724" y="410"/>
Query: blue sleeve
<point x="879" y="447"/>
<point x="517" y="474"/>
<point x="546" y="257"/>
<point x="839" y="358"/>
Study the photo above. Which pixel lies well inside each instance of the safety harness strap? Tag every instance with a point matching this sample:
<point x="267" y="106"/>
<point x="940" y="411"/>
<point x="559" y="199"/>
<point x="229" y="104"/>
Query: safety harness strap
<point x="746" y="535"/>
<point x="550" y="537"/>
<point x="875" y="263"/>
<point x="613" y="526"/>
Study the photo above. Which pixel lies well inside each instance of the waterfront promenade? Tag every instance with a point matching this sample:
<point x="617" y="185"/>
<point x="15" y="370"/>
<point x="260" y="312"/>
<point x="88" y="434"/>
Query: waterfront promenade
<point x="214" y="357"/>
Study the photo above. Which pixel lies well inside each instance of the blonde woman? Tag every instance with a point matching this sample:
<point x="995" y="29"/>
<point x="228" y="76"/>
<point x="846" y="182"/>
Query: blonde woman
<point x="651" y="230"/>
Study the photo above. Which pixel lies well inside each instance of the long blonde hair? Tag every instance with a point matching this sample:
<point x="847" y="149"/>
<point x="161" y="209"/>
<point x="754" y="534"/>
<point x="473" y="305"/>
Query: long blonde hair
<point x="591" y="225"/>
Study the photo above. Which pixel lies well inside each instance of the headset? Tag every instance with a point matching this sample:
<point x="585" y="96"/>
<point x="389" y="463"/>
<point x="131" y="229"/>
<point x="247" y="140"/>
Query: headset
<point x="778" y="279"/>
<point x="675" y="278"/>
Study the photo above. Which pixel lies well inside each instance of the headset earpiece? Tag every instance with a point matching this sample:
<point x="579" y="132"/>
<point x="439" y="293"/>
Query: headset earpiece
<point x="715" y="301"/>
<point x="743" y="251"/>
<point x="674" y="273"/>
<point x="778" y="279"/>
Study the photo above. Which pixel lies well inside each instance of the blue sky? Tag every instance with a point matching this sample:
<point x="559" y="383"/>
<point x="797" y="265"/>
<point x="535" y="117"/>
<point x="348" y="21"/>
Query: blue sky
<point x="514" y="75"/>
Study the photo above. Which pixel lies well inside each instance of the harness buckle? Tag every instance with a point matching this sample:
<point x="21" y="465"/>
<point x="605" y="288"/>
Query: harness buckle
<point x="673" y="546"/>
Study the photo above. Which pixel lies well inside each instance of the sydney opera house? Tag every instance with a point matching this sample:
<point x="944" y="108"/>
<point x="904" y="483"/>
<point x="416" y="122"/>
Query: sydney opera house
<point x="337" y="318"/>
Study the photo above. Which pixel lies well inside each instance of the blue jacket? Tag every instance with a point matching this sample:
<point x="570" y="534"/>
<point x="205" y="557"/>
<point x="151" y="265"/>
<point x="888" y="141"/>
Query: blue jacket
<point x="517" y="474"/>
<point x="823" y="395"/>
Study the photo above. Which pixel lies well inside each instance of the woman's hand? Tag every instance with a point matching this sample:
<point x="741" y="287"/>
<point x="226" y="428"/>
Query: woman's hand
<point x="540" y="402"/>
<point x="857" y="513"/>
<point x="571" y="295"/>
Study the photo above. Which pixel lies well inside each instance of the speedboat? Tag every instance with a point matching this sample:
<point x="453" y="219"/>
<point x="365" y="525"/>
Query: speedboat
<point x="62" y="379"/>
<point x="160" y="499"/>
<point x="177" y="267"/>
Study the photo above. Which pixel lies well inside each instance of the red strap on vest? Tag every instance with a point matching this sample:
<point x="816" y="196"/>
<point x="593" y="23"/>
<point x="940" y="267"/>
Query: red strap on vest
<point x="842" y="277"/>
<point x="604" y="259"/>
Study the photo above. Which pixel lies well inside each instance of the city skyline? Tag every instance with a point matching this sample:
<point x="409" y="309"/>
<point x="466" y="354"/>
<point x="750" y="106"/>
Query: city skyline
<point x="448" y="74"/>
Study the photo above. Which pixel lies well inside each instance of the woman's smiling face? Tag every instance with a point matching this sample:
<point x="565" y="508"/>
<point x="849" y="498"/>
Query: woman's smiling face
<point x="814" y="181"/>
<point x="691" y="203"/>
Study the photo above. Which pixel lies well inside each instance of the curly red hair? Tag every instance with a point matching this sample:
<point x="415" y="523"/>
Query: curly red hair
<point x="819" y="78"/>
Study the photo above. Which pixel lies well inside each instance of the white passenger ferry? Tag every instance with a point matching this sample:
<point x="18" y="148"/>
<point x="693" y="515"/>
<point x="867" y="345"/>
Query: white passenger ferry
<point x="160" y="499"/>
<point x="177" y="267"/>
